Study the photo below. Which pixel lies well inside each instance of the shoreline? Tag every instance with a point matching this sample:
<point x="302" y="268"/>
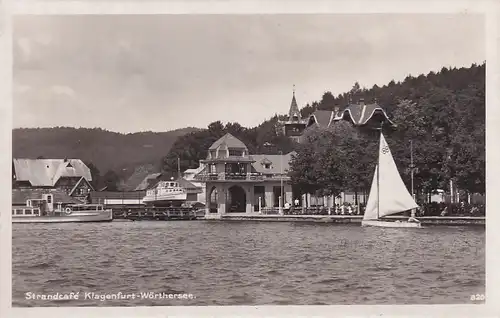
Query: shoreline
<point x="344" y="219"/>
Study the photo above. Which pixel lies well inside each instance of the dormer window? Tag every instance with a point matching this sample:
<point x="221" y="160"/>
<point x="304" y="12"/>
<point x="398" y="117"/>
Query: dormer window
<point x="235" y="153"/>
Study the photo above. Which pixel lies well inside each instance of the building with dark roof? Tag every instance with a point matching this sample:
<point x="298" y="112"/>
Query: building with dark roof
<point x="71" y="176"/>
<point x="360" y="115"/>
<point x="237" y="182"/>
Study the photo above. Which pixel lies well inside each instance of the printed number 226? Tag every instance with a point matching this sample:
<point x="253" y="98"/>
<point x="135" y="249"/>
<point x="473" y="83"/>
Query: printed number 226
<point x="477" y="297"/>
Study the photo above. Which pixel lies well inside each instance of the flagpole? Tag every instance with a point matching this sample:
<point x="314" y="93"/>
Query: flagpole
<point x="178" y="167"/>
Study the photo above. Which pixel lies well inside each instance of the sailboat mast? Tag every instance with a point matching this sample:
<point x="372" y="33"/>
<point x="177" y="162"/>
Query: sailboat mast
<point x="378" y="173"/>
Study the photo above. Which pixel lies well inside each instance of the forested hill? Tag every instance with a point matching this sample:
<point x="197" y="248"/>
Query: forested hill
<point x="106" y="150"/>
<point x="443" y="99"/>
<point x="414" y="87"/>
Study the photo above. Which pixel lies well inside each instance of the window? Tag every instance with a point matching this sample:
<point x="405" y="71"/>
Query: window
<point x="235" y="153"/>
<point x="267" y="165"/>
<point x="19" y="212"/>
<point x="28" y="212"/>
<point x="213" y="169"/>
<point x="49" y="198"/>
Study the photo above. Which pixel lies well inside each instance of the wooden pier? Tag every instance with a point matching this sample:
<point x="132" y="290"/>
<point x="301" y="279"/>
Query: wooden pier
<point x="156" y="214"/>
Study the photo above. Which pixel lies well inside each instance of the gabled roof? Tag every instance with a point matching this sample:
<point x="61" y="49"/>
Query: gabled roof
<point x="183" y="183"/>
<point x="82" y="179"/>
<point x="19" y="196"/>
<point x="189" y="174"/>
<point x="148" y="181"/>
<point x="322" y="118"/>
<point x="275" y="160"/>
<point x="360" y="114"/>
<point x="46" y="172"/>
<point x="140" y="172"/>
<point x="228" y="141"/>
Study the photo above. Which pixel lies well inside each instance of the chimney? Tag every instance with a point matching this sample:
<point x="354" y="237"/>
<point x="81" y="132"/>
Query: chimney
<point x="361" y="101"/>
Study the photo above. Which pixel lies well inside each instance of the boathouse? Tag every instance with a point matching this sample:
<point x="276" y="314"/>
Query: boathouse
<point x="237" y="182"/>
<point x="70" y="176"/>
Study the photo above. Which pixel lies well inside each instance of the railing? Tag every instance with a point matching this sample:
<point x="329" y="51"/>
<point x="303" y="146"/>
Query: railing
<point x="270" y="210"/>
<point x="157" y="213"/>
<point x="221" y="176"/>
<point x="26" y="211"/>
<point x="277" y="176"/>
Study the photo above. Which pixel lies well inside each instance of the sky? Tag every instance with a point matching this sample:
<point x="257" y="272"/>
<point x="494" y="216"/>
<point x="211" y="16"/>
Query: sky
<point x="130" y="73"/>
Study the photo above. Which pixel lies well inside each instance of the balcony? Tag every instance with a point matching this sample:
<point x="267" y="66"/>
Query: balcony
<point x="223" y="176"/>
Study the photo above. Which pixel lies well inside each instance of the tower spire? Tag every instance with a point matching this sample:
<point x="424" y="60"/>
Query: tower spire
<point x="294" y="113"/>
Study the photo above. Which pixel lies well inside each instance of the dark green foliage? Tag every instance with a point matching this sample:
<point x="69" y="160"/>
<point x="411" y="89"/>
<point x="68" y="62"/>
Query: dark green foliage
<point x="96" y="176"/>
<point x="105" y="149"/>
<point x="110" y="181"/>
<point x="442" y="113"/>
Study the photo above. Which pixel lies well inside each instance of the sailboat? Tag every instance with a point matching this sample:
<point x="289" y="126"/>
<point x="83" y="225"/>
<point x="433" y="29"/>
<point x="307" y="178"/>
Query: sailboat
<point x="388" y="194"/>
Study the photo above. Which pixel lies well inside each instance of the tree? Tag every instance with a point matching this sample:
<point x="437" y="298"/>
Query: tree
<point x="111" y="180"/>
<point x="334" y="160"/>
<point x="327" y="101"/>
<point x="95" y="174"/>
<point x="303" y="171"/>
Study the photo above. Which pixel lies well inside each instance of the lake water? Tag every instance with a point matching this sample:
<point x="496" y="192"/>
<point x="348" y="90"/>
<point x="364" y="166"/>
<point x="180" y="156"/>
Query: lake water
<point x="246" y="263"/>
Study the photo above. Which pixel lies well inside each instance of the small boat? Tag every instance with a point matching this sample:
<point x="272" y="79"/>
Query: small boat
<point x="165" y="192"/>
<point x="54" y="206"/>
<point x="70" y="213"/>
<point x="388" y="194"/>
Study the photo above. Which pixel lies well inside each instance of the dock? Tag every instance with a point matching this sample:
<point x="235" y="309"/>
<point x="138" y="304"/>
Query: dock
<point x="157" y="214"/>
<point x="344" y="219"/>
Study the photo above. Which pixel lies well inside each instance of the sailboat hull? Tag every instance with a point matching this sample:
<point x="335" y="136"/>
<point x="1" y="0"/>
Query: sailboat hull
<point x="379" y="223"/>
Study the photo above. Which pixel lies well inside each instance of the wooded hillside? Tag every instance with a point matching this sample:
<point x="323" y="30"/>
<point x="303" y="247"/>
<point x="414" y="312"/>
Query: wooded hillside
<point x="107" y="151"/>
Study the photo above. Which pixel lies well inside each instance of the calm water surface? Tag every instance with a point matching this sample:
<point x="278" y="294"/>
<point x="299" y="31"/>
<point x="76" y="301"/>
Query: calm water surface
<point x="247" y="263"/>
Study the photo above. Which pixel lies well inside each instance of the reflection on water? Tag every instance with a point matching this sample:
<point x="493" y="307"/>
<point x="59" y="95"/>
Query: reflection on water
<point x="247" y="263"/>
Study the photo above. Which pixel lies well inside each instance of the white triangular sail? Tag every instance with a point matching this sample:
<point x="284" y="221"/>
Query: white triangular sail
<point x="371" y="205"/>
<point x="388" y="194"/>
